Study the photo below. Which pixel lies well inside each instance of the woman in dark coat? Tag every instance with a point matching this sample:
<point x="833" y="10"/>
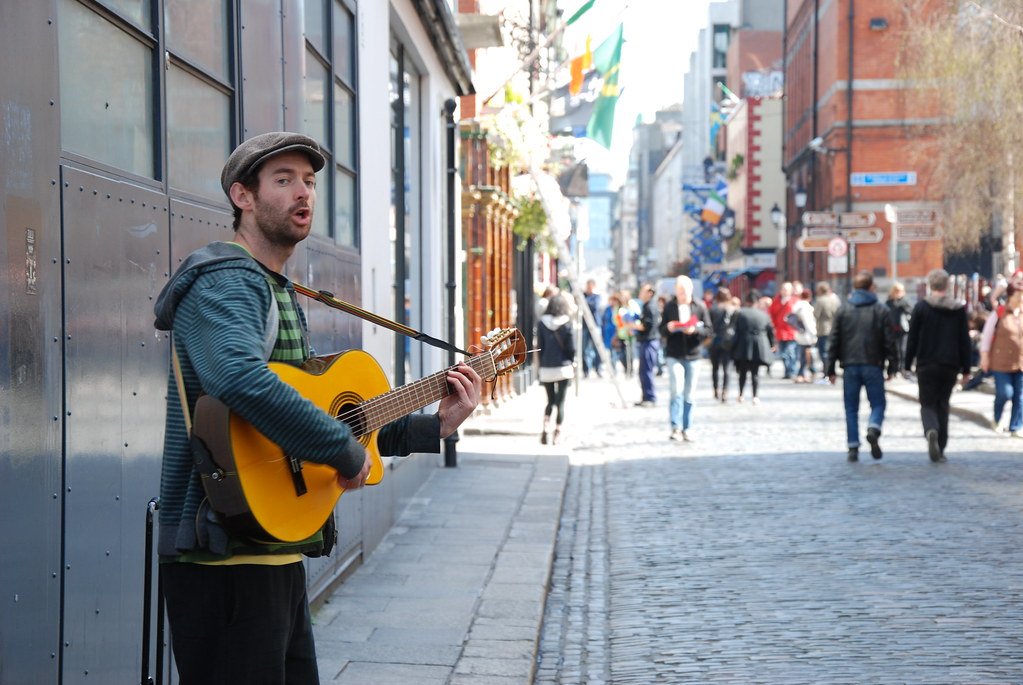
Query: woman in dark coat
<point x="557" y="357"/>
<point x="754" y="344"/>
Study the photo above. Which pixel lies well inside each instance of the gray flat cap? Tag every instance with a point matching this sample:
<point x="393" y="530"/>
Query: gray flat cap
<point x="258" y="149"/>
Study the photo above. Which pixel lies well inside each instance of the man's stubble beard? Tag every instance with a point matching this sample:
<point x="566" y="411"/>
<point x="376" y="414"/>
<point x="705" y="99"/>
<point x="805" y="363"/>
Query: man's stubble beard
<point x="275" y="224"/>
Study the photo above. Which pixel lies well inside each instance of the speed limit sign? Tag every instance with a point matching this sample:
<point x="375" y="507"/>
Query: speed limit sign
<point x="838" y="247"/>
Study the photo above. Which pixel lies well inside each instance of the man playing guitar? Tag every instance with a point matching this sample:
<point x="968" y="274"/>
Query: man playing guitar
<point x="237" y="607"/>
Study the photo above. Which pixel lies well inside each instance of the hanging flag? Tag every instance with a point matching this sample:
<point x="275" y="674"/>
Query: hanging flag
<point x="606" y="60"/>
<point x="713" y="208"/>
<point x="583" y="9"/>
<point x="578" y="68"/>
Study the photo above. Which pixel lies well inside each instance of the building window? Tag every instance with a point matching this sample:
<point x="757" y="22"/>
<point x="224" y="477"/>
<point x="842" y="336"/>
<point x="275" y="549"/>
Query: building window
<point x="200" y="94"/>
<point x="106" y="95"/>
<point x="405" y="197"/>
<point x="721" y="37"/>
<point x="328" y="115"/>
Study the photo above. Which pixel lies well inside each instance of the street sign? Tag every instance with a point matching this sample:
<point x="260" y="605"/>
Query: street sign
<point x="884" y="178"/>
<point x="918" y="232"/>
<point x="917" y="217"/>
<point x="841" y="220"/>
<point x="820" y="218"/>
<point x="837" y="247"/>
<point x="812" y="244"/>
<point x="822" y="231"/>
<point x="864" y="235"/>
<point x="838" y="265"/>
<point x="856" y="219"/>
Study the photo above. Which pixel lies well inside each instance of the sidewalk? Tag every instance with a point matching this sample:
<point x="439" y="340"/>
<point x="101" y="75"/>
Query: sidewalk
<point x="455" y="592"/>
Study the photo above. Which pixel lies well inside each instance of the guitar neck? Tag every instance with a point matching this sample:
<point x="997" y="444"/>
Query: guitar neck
<point x="394" y="404"/>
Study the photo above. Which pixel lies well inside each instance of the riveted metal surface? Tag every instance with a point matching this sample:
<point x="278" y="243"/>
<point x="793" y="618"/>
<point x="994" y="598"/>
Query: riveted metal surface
<point x="323" y="266"/>
<point x="30" y="346"/>
<point x="115" y="248"/>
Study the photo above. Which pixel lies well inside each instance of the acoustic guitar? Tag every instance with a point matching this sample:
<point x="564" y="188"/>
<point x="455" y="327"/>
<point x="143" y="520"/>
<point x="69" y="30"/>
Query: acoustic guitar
<point x="262" y="493"/>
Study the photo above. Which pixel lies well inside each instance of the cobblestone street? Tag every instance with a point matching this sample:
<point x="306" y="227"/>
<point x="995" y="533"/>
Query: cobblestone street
<point x="758" y="554"/>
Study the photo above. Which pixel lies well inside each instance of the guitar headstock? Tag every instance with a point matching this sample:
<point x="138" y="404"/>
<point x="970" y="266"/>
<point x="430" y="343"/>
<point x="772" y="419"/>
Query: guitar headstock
<point x="507" y="347"/>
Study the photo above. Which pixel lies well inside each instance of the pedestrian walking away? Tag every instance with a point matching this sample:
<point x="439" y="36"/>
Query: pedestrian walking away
<point x="1001" y="352"/>
<point x="237" y="606"/>
<point x="938" y="343"/>
<point x="784" y="332"/>
<point x="591" y="358"/>
<point x="648" y="337"/>
<point x="722" y="323"/>
<point x="900" y="312"/>
<point x="803" y="321"/>
<point x="686" y="324"/>
<point x="557" y="357"/>
<point x="824" y="309"/>
<point x="862" y="339"/>
<point x="754" y="346"/>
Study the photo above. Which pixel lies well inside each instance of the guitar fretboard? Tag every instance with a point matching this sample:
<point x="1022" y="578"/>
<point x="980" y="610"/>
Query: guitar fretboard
<point x="377" y="412"/>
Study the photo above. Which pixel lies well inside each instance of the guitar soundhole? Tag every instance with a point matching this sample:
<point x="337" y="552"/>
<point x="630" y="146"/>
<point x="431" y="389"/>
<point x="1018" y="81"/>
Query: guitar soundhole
<point x="345" y="407"/>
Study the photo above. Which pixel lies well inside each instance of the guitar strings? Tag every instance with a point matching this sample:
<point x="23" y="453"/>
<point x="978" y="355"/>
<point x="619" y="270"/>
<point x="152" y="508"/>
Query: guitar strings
<point x="365" y="409"/>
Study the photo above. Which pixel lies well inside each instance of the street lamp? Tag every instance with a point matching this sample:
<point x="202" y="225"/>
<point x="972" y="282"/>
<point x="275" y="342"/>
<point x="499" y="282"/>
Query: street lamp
<point x="778" y="219"/>
<point x="800" y="197"/>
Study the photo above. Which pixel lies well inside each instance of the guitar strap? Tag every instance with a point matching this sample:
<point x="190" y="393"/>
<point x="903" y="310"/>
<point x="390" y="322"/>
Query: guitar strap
<point x="330" y="300"/>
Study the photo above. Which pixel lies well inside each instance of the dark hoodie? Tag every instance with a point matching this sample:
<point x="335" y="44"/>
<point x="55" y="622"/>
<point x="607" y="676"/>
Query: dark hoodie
<point x="939" y="334"/>
<point x="218" y="304"/>
<point x="862" y="333"/>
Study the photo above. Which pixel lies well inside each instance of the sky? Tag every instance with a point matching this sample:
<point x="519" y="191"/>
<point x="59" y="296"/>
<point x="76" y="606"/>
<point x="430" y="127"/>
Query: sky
<point x="660" y="35"/>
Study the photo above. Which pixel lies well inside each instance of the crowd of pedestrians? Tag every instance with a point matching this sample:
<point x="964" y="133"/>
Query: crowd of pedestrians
<point x="938" y="342"/>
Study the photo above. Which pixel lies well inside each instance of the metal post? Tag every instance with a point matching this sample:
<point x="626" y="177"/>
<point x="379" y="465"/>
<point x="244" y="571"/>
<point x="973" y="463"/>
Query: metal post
<point x="451" y="441"/>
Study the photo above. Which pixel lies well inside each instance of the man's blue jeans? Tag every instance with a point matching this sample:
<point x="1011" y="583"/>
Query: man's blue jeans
<point x="648" y="350"/>
<point x="682" y="383"/>
<point x="788" y="350"/>
<point x="858" y="376"/>
<point x="1009" y="386"/>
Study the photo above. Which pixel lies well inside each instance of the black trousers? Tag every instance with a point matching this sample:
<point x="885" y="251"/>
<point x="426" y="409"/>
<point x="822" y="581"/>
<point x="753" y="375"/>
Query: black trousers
<point x="752" y="369"/>
<point x="556" y="393"/>
<point x="247" y="624"/>
<point x="720" y="359"/>
<point x="935" y="385"/>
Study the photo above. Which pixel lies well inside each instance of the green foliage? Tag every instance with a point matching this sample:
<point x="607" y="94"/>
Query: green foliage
<point x="531" y="224"/>
<point x="734" y="166"/>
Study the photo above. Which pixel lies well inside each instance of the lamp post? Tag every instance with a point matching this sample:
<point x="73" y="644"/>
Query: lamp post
<point x="778" y="219"/>
<point x="799" y="197"/>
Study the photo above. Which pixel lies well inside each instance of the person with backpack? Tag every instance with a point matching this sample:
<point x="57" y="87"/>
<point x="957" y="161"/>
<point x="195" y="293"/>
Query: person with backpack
<point x="722" y="339"/>
<point x="685" y="324"/>
<point x="939" y="343"/>
<point x="805" y="324"/>
<point x="1001" y="352"/>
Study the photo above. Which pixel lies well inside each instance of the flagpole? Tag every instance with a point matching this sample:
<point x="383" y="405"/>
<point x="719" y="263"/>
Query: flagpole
<point x="536" y="53"/>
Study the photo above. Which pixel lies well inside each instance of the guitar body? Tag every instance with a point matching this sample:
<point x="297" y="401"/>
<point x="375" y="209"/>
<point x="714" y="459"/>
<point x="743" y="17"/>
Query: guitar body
<point x="260" y="492"/>
<point x="261" y="497"/>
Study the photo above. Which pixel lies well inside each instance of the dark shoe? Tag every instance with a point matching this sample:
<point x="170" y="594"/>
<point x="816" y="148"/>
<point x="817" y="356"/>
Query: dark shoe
<point x="687" y="437"/>
<point x="854" y="454"/>
<point x="873" y="435"/>
<point x="556" y="437"/>
<point x="646" y="403"/>
<point x="543" y="438"/>
<point x="717" y="395"/>
<point x="933" y="448"/>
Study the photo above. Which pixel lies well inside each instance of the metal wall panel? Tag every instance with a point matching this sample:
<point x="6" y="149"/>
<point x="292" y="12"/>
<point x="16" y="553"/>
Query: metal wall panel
<point x="116" y="259"/>
<point x="30" y="346"/>
<point x="320" y="264"/>
<point x="293" y="17"/>
<point x="262" y="46"/>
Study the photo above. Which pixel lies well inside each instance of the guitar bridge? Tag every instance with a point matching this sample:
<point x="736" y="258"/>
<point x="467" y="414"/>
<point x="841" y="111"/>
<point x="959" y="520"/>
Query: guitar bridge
<point x="297" y="479"/>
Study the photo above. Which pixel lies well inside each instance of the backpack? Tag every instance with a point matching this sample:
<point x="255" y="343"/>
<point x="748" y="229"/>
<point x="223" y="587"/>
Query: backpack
<point x="727" y="337"/>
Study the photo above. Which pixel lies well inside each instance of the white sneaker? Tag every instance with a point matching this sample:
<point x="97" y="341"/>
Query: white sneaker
<point x="1016" y="434"/>
<point x="1001" y="426"/>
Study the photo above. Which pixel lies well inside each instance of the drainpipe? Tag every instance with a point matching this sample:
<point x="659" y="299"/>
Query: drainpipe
<point x="849" y="134"/>
<point x="451" y="441"/>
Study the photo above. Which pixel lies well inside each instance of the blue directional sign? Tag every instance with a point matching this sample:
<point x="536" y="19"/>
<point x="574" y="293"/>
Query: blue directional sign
<point x="883" y="178"/>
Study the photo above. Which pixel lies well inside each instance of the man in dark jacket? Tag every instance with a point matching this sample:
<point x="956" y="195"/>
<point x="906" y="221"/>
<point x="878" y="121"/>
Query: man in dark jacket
<point x="862" y="340"/>
<point x="685" y="325"/>
<point x="939" y="342"/>
<point x="649" y="339"/>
